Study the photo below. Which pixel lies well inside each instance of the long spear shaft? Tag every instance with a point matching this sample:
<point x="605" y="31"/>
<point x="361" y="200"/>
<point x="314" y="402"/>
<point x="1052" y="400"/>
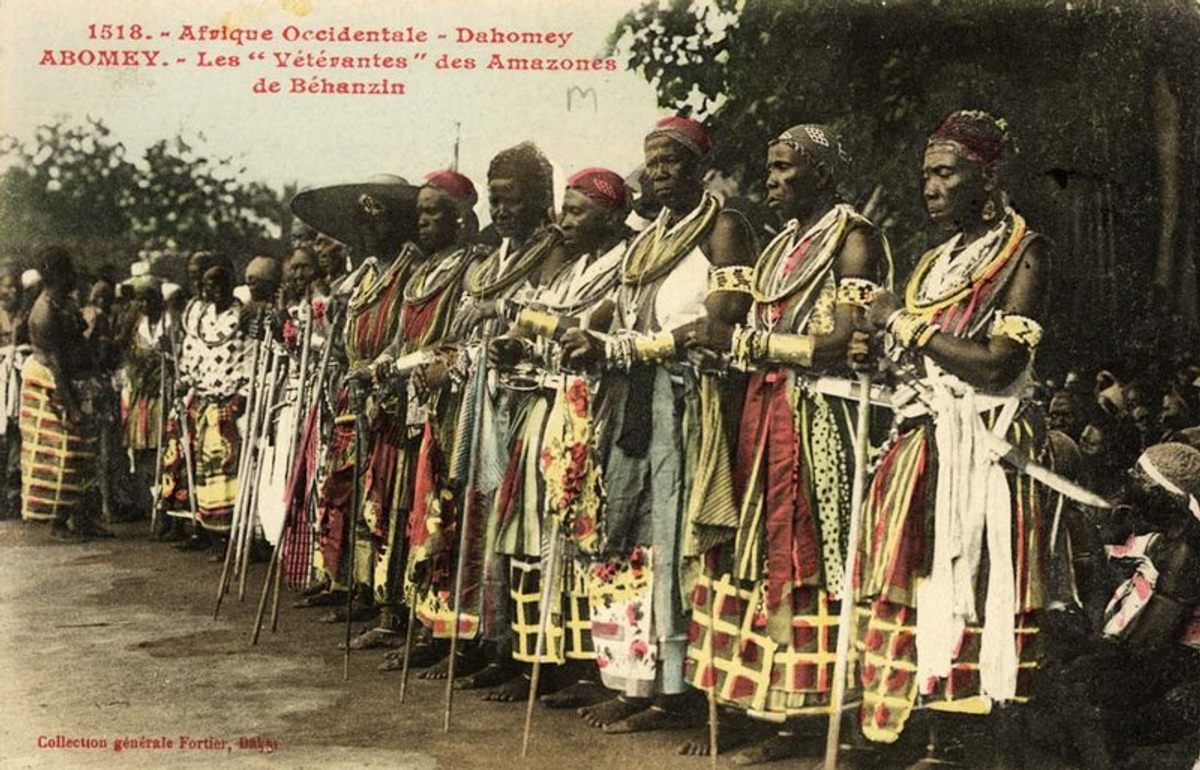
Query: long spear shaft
<point x="243" y="487"/>
<point x="242" y="504"/>
<point x="274" y="576"/>
<point x="549" y="577"/>
<point x="261" y="438"/>
<point x="846" y="613"/>
<point x="315" y="398"/>
<point x="352" y="521"/>
<point x="468" y="508"/>
<point x="156" y="483"/>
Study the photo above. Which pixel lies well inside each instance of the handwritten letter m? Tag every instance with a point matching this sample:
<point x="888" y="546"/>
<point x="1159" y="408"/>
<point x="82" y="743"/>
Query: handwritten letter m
<point x="582" y="93"/>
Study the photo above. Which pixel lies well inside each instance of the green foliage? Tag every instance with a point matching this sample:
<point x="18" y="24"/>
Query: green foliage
<point x="1072" y="78"/>
<point x="74" y="184"/>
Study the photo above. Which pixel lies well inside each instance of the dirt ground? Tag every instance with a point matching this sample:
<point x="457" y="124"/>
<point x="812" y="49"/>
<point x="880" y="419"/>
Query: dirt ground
<point x="115" y="639"/>
<point x="110" y="640"/>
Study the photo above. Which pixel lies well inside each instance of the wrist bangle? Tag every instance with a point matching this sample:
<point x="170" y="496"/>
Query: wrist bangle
<point x="911" y="330"/>
<point x="540" y="323"/>
<point x="891" y="319"/>
<point x="660" y="347"/>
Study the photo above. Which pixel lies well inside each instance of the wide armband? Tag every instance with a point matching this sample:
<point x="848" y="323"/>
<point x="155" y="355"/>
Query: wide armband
<point x="790" y="349"/>
<point x="911" y="330"/>
<point x="1021" y="329"/>
<point x="660" y="347"/>
<point x="734" y="278"/>
<point x="858" y="292"/>
<point x="539" y="323"/>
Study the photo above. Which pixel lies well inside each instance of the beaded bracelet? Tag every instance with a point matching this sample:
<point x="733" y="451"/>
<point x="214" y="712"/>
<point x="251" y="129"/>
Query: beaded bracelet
<point x="911" y="330"/>
<point x="544" y="324"/>
<point x="660" y="347"/>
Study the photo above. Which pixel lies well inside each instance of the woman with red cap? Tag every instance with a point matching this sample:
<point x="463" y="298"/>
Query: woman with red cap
<point x="544" y="475"/>
<point x="648" y="408"/>
<point x="954" y="557"/>
<point x="520" y="195"/>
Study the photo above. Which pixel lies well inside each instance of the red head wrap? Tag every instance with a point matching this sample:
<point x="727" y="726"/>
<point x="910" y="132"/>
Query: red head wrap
<point x="601" y="185"/>
<point x="686" y="131"/>
<point x="982" y="137"/>
<point x="453" y="184"/>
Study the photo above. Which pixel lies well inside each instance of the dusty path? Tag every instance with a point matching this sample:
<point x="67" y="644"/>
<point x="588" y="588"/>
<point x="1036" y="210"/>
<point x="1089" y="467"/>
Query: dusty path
<point x="115" y="638"/>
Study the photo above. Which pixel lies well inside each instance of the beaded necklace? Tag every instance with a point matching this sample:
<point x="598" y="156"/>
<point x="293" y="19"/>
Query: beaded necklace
<point x="223" y="337"/>
<point x="484" y="282"/>
<point x="993" y="254"/>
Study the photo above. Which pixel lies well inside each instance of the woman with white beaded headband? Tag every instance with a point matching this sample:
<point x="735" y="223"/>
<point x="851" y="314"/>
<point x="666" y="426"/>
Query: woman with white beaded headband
<point x="953" y="579"/>
<point x="765" y="612"/>
<point x="1137" y="681"/>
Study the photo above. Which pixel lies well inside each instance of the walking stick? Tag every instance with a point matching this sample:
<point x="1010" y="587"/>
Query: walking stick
<point x="275" y="566"/>
<point x="408" y="640"/>
<point x="548" y="575"/>
<point x="355" y="501"/>
<point x="243" y="488"/>
<point x="261" y="438"/>
<point x="189" y="466"/>
<point x="315" y="399"/>
<point x="846" y="615"/>
<point x="464" y="523"/>
<point x="156" y="484"/>
<point x="549" y="579"/>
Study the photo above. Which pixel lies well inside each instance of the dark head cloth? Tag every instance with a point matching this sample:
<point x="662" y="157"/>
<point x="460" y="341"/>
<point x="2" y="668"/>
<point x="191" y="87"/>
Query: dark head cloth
<point x="982" y="137"/>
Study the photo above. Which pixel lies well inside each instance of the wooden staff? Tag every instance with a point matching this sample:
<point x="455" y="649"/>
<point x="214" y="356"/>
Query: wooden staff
<point x="156" y="485"/>
<point x="356" y="401"/>
<point x="408" y="640"/>
<point x="464" y="523"/>
<point x="274" y="576"/>
<point x="243" y="488"/>
<point x="260" y="439"/>
<point x="548" y="578"/>
<point x="846" y="615"/>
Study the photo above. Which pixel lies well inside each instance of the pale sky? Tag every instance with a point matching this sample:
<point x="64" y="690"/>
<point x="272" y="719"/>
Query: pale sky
<point x="325" y="139"/>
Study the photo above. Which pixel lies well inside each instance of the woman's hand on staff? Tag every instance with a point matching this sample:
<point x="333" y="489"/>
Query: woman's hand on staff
<point x="506" y="351"/>
<point x="882" y="307"/>
<point x="860" y="353"/>
<point x="707" y="341"/>
<point x="581" y="349"/>
<point x="478" y="312"/>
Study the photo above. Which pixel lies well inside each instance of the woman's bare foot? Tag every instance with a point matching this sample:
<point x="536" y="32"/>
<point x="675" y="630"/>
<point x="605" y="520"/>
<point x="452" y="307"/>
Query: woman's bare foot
<point x="612" y="710"/>
<point x="585" y="692"/>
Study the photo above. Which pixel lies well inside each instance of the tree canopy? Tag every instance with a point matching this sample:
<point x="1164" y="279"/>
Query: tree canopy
<point x="1101" y="96"/>
<point x="75" y="184"/>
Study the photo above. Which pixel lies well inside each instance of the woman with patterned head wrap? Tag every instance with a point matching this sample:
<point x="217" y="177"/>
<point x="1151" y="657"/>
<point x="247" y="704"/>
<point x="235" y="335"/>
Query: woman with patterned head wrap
<point x="765" y="611"/>
<point x="423" y="311"/>
<point x="952" y="603"/>
<point x="649" y="405"/>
